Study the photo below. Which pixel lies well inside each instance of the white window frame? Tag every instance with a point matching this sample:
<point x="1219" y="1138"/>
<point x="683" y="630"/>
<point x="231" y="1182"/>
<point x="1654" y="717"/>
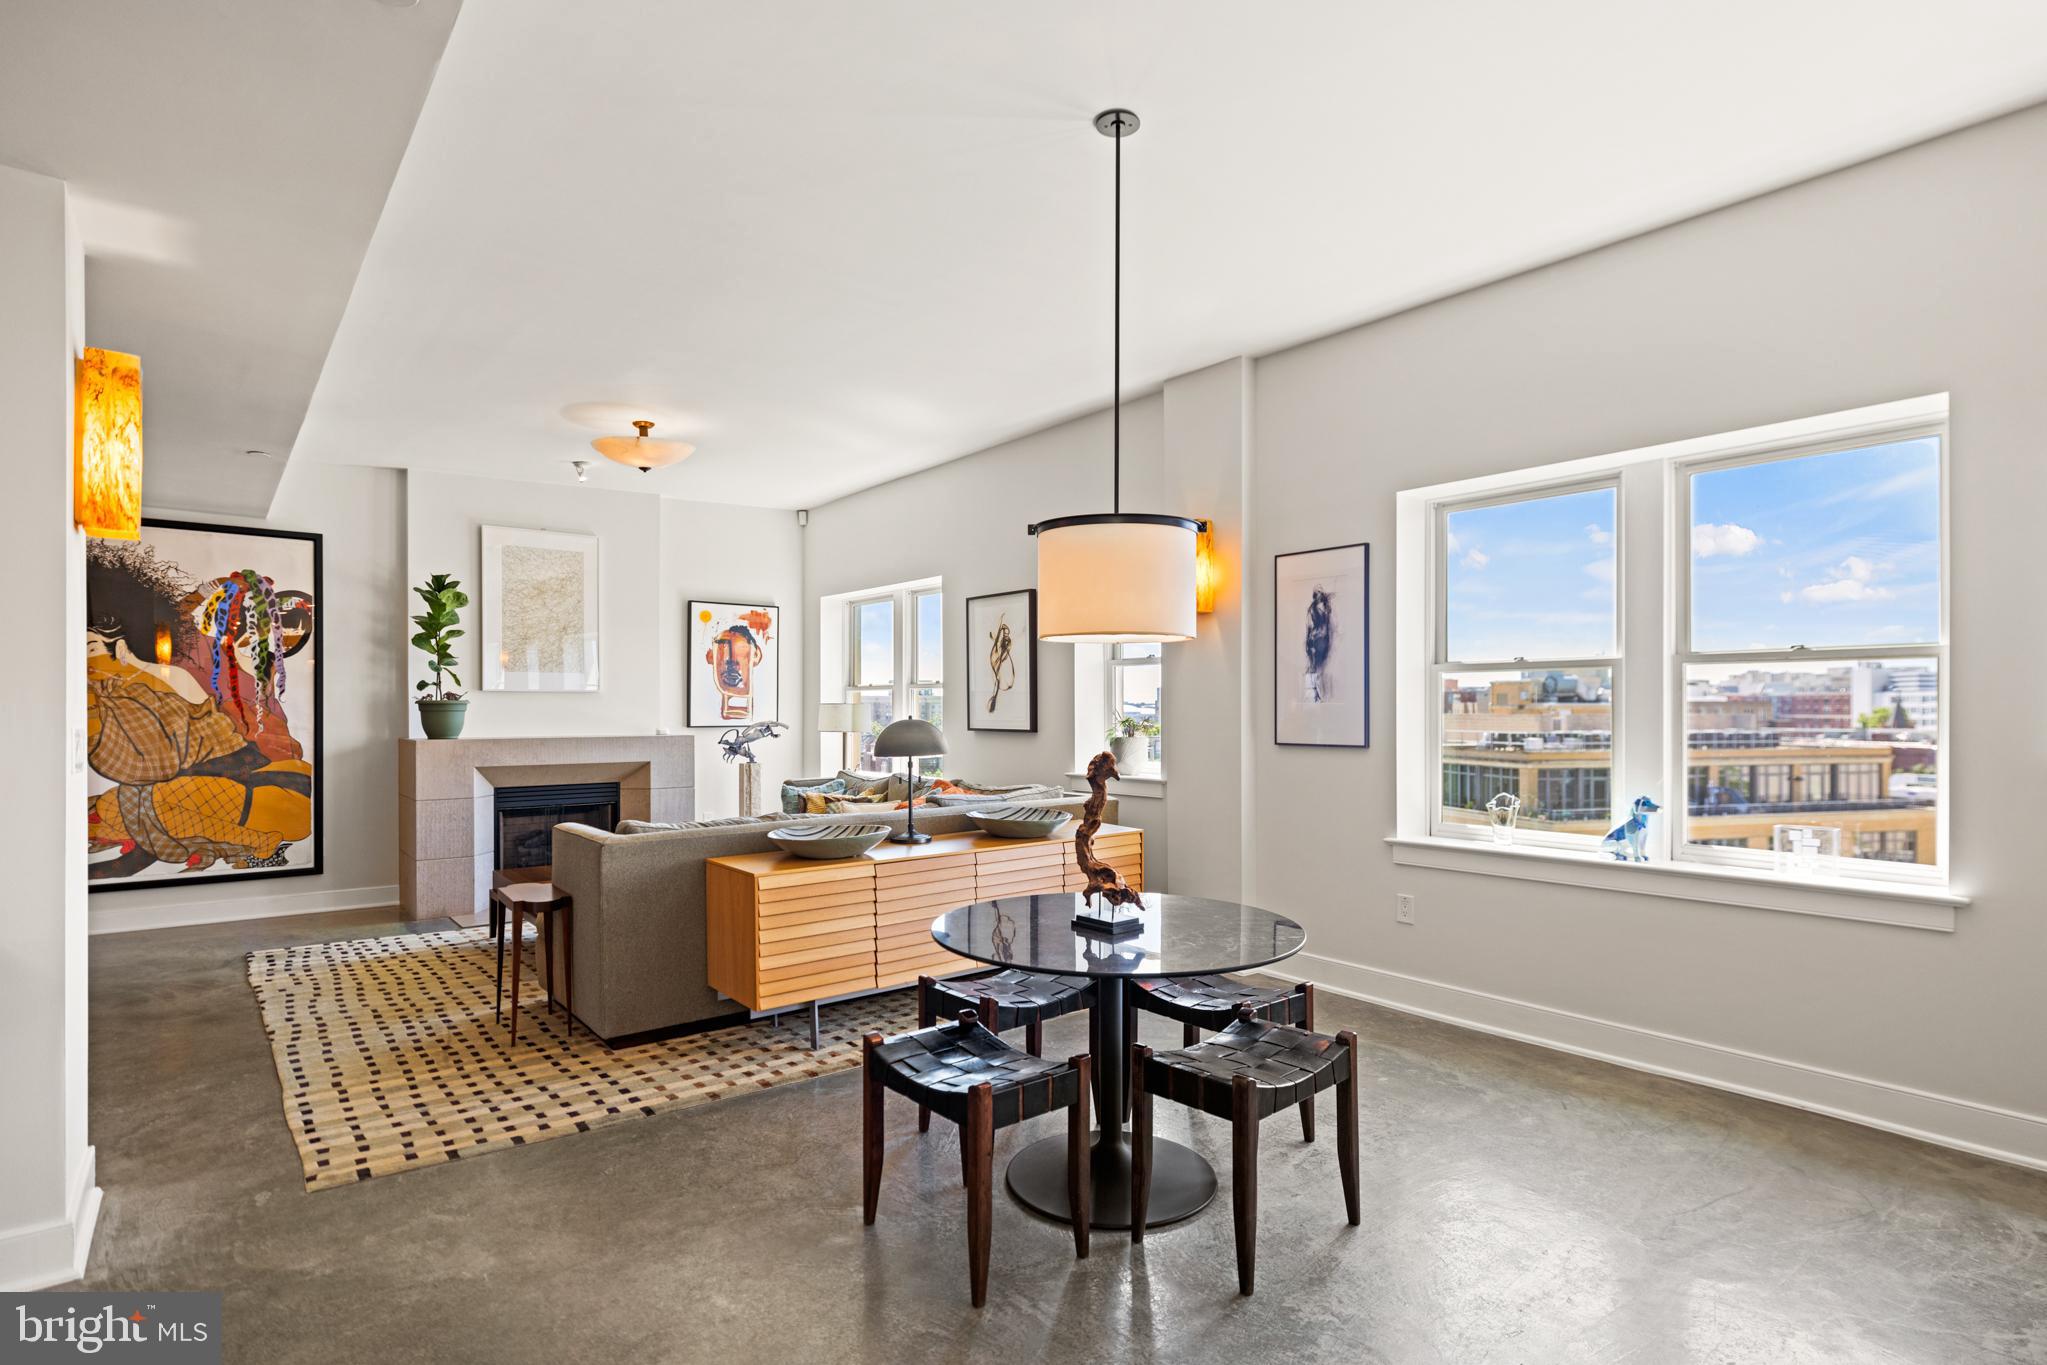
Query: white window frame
<point x="1442" y="666"/>
<point x="903" y="683"/>
<point x="1934" y="652"/>
<point x="1652" y="533"/>
<point x="1113" y="664"/>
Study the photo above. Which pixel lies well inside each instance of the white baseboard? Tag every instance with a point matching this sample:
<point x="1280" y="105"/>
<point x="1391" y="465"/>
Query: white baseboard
<point x="54" y="1253"/>
<point x="1985" y="1130"/>
<point x="116" y="914"/>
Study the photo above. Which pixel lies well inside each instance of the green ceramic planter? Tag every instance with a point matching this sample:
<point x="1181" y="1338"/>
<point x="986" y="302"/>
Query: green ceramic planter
<point x="442" y="719"/>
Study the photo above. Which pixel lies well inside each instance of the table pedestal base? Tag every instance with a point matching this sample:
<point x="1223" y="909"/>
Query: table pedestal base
<point x="1182" y="1182"/>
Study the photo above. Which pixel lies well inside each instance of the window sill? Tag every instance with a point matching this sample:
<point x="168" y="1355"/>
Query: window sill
<point x="1917" y="907"/>
<point x="1139" y="784"/>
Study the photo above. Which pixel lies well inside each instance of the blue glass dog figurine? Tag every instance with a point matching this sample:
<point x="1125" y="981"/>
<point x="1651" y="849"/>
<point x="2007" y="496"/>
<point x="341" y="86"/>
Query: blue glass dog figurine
<point x="1626" y="839"/>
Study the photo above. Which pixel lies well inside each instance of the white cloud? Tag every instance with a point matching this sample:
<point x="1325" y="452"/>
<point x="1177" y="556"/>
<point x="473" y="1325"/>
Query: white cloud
<point x="1709" y="540"/>
<point x="1601" y="569"/>
<point x="1598" y="534"/>
<point x="1852" y="580"/>
<point x="1476" y="559"/>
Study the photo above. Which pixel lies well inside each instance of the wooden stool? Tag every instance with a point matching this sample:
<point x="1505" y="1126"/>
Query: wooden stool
<point x="1247" y="1073"/>
<point x="1008" y="999"/>
<point x="981" y="1083"/>
<point x="1213" y="1002"/>
<point x="545" y="903"/>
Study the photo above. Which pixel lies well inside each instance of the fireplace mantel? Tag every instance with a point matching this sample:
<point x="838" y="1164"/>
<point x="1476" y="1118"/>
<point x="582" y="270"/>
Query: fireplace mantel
<point x="444" y="801"/>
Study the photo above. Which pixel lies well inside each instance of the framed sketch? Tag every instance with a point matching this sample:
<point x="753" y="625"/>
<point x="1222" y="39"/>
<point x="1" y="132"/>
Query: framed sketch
<point x="539" y="611"/>
<point x="732" y="671"/>
<point x="202" y="693"/>
<point x="1002" y="662"/>
<point x="1321" y="647"/>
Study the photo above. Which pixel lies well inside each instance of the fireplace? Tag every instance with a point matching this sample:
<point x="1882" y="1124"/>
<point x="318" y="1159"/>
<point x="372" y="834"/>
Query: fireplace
<point x="525" y="818"/>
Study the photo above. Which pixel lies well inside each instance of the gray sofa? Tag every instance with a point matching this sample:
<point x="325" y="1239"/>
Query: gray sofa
<point x="639" y="912"/>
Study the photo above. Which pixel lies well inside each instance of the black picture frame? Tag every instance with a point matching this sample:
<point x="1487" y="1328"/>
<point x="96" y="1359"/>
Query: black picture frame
<point x="1283" y="632"/>
<point x="318" y="644"/>
<point x="691" y="662"/>
<point x="1030" y="596"/>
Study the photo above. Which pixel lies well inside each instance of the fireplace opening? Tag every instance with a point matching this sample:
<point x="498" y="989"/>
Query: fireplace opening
<point x="526" y="817"/>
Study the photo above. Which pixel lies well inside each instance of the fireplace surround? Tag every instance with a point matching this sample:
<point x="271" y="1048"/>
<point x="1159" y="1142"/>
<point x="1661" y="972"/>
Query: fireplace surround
<point x="447" y="802"/>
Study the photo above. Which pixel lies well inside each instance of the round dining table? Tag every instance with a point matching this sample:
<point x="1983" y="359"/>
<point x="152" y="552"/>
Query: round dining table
<point x="1177" y="936"/>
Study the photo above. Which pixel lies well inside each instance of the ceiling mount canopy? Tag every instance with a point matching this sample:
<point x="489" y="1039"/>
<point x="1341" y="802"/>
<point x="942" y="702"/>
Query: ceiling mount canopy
<point x="642" y="452"/>
<point x="1116" y="577"/>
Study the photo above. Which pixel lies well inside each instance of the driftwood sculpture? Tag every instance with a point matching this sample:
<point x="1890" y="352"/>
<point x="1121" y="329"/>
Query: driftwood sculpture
<point x="1100" y="876"/>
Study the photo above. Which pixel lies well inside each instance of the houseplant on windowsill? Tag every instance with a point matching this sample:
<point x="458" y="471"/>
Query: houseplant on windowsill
<point x="1130" y="742"/>
<point x="440" y="710"/>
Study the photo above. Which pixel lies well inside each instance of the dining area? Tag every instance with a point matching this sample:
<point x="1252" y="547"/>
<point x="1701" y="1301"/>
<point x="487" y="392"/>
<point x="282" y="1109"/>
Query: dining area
<point x="1248" y="1052"/>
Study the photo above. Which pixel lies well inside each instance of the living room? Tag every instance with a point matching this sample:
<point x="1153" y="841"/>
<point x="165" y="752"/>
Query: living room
<point x="1434" y="579"/>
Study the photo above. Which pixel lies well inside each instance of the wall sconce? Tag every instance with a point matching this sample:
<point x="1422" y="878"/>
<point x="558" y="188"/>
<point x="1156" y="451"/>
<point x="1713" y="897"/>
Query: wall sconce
<point x="1206" y="571"/>
<point x="106" y="474"/>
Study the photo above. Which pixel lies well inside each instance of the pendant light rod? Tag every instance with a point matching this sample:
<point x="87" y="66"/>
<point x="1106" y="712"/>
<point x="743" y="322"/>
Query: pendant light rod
<point x="1117" y="124"/>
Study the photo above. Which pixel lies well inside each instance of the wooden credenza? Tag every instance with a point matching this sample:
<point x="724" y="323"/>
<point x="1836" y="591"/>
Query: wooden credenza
<point x="784" y="930"/>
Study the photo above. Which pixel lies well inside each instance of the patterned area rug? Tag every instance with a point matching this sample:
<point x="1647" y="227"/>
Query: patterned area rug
<point x="391" y="1060"/>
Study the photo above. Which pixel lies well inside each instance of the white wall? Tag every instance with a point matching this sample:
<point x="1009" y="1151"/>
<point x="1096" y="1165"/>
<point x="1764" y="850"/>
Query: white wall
<point x="717" y="553"/>
<point x="965" y="522"/>
<point x="1918" y="273"/>
<point x="48" y="1196"/>
<point x="386" y="530"/>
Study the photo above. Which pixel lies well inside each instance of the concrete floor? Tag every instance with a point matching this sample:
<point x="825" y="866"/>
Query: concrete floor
<point x="1520" y="1206"/>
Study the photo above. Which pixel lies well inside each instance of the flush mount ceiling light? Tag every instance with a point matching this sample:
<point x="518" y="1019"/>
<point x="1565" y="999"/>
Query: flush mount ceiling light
<point x="642" y="452"/>
<point x="1116" y="577"/>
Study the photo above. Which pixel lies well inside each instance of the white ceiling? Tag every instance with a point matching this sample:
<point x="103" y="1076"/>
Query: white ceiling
<point x="227" y="160"/>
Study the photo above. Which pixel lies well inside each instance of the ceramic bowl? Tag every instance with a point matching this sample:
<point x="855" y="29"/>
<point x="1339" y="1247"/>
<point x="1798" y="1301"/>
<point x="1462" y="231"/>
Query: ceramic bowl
<point x="1019" y="822"/>
<point x="827" y="841"/>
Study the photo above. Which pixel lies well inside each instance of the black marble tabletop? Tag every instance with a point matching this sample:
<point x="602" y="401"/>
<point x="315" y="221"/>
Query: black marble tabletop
<point x="1182" y="936"/>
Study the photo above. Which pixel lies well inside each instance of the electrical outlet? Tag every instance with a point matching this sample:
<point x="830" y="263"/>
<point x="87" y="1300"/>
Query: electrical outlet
<point x="1403" y="908"/>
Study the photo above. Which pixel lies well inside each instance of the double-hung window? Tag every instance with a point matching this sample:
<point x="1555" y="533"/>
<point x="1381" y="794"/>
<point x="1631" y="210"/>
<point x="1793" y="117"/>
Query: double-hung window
<point x="1136" y="697"/>
<point x="1749" y="630"/>
<point x="895" y="662"/>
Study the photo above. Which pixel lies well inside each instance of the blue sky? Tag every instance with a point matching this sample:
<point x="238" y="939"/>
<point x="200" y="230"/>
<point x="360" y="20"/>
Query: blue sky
<point x="1836" y="549"/>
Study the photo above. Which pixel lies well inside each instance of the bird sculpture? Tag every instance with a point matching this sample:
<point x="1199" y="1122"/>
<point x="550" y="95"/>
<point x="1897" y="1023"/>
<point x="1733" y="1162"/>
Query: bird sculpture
<point x="738" y="742"/>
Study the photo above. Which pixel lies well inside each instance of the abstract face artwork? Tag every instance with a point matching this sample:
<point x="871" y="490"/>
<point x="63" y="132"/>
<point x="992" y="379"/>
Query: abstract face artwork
<point x="202" y="705"/>
<point x="1002" y="644"/>
<point x="734" y="666"/>
<point x="1321" y="677"/>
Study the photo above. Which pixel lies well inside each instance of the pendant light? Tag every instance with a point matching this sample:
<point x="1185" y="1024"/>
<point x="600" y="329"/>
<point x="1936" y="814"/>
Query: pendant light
<point x="1116" y="577"/>
<point x="641" y="452"/>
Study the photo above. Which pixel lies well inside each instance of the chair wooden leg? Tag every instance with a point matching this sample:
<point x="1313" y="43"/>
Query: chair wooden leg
<point x="518" y="918"/>
<point x="547" y="951"/>
<point x="1347" y="1129"/>
<point x="1140" y="1143"/>
<point x="871" y="1094"/>
<point x="1129" y="1036"/>
<point x="1080" y="1185"/>
<point x="1190" y="1034"/>
<point x="569" y="973"/>
<point x="1244" y="1178"/>
<point x="979" y="1137"/>
<point x="498" y="932"/>
<point x="925" y="1019"/>
<point x="1034" y="1036"/>
<point x="1308" y="1023"/>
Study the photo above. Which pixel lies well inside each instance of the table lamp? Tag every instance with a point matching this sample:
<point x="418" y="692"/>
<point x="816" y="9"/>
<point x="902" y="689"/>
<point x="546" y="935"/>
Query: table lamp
<point x="911" y="739"/>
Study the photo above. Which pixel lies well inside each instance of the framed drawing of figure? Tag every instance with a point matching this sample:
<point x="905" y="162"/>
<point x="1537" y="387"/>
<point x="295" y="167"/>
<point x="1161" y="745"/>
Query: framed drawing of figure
<point x="203" y="727"/>
<point x="733" y="668"/>
<point x="1321" y="647"/>
<point x="1002" y="661"/>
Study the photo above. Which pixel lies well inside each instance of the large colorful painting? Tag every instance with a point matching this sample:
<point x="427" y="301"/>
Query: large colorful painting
<point x="1002" y="662"/>
<point x="1321" y="660"/>
<point x="539" y="611"/>
<point x="202" y="705"/>
<point x="733" y="667"/>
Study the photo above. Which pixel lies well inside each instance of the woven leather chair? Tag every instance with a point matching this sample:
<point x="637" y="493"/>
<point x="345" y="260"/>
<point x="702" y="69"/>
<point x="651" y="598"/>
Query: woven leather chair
<point x="1002" y="1001"/>
<point x="981" y="1083"/>
<point x="1213" y="1002"/>
<point x="1246" y="1074"/>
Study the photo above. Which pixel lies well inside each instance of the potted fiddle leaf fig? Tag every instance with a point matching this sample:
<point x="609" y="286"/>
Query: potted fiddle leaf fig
<point x="440" y="710"/>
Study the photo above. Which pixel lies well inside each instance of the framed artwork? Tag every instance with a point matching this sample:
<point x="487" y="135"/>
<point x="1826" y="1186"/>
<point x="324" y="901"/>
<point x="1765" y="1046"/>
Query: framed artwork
<point x="202" y="697"/>
<point x="1002" y="662"/>
<point x="539" y="611"/>
<point x="1321" y="647"/>
<point x="733" y="668"/>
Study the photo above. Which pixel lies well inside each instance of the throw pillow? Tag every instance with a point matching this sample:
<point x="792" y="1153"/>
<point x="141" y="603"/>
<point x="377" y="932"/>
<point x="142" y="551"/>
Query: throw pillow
<point x="853" y="805"/>
<point x="794" y="790"/>
<point x="645" y="827"/>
